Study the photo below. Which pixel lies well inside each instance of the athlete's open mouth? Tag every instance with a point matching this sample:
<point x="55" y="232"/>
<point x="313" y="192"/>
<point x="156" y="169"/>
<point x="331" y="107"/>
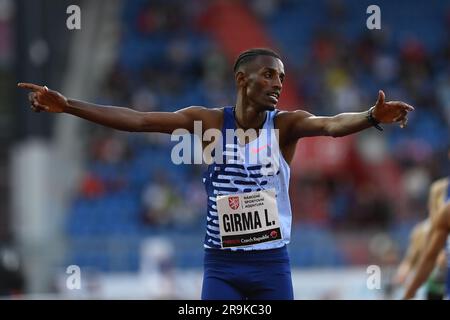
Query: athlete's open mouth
<point x="274" y="96"/>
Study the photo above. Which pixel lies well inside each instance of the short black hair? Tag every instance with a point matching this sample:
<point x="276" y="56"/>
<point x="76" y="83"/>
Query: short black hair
<point x="251" y="54"/>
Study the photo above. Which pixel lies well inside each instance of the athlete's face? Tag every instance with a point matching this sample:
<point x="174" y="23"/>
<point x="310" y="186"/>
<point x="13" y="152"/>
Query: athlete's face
<point x="265" y="77"/>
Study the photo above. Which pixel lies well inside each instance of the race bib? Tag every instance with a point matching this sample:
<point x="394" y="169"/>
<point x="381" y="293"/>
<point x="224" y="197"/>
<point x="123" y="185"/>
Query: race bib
<point x="248" y="218"/>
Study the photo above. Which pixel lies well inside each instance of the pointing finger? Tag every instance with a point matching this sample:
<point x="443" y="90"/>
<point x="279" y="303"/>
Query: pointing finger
<point x="30" y="86"/>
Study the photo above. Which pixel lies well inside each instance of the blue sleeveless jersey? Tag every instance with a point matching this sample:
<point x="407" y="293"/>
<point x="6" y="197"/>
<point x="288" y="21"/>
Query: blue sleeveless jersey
<point x="235" y="174"/>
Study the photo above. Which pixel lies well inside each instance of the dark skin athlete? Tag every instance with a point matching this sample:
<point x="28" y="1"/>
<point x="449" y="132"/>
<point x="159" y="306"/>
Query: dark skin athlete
<point x="259" y="85"/>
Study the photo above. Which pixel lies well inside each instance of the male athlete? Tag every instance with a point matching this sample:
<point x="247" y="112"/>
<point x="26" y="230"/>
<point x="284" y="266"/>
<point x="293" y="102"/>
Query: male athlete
<point x="438" y="235"/>
<point x="435" y="287"/>
<point x="248" y="208"/>
<point x="433" y="252"/>
<point x="417" y="244"/>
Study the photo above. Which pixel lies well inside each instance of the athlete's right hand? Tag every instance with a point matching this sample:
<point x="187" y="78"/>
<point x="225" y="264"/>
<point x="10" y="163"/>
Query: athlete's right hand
<point x="44" y="99"/>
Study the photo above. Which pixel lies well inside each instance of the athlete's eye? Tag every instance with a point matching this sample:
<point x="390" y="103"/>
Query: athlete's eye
<point x="267" y="75"/>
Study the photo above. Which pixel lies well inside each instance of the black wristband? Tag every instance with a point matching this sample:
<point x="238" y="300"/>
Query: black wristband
<point x="372" y="120"/>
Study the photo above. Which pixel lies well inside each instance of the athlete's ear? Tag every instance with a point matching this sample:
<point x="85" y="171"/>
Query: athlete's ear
<point x="241" y="79"/>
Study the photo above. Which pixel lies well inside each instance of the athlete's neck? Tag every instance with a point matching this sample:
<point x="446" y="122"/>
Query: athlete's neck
<point x="249" y="117"/>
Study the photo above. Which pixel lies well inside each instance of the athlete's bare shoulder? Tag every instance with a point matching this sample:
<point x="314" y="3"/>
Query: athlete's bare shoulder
<point x="216" y="115"/>
<point x="209" y="117"/>
<point x="204" y="110"/>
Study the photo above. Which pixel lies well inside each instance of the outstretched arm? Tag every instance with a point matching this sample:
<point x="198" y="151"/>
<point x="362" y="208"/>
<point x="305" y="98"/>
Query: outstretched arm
<point x="438" y="235"/>
<point x="126" y="119"/>
<point x="303" y="124"/>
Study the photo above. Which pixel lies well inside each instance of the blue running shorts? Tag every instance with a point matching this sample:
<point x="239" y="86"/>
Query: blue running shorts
<point x="247" y="275"/>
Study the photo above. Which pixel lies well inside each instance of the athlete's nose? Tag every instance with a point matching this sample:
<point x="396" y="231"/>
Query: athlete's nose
<point x="277" y="84"/>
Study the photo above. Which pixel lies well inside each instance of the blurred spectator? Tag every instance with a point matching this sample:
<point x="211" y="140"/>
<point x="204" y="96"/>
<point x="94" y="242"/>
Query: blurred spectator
<point x="160" y="202"/>
<point x="91" y="186"/>
<point x="157" y="264"/>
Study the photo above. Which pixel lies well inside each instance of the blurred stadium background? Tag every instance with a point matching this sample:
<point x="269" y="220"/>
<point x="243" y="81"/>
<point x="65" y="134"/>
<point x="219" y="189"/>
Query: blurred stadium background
<point x="112" y="203"/>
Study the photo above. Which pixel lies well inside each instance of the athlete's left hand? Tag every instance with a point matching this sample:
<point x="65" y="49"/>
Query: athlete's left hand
<point x="391" y="111"/>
